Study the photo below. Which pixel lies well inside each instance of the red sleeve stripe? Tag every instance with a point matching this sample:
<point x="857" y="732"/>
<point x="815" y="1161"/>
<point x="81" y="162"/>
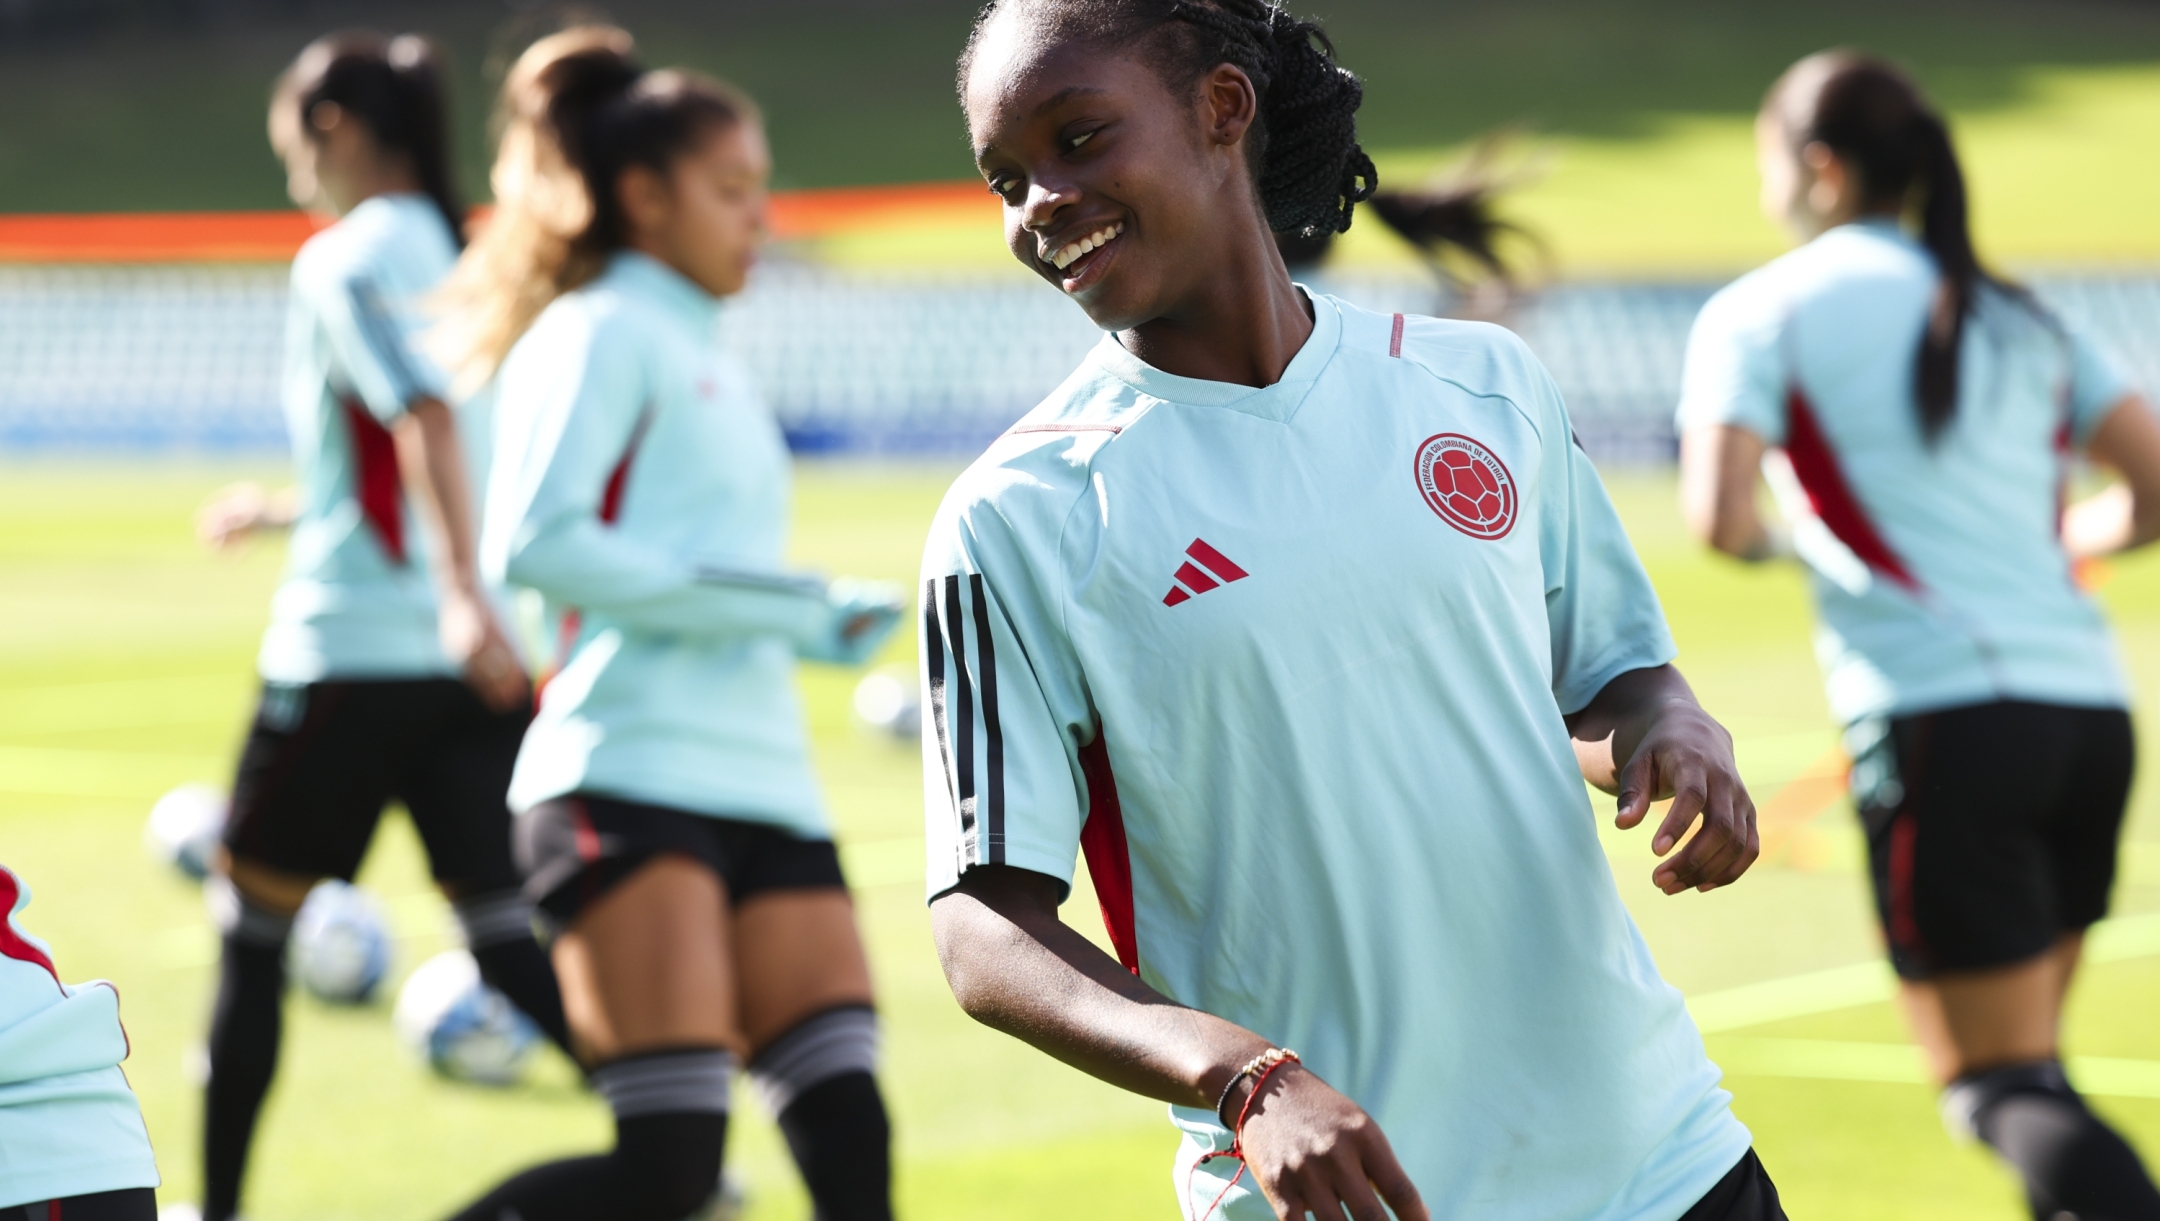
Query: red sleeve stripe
<point x="1394" y="343"/>
<point x="1109" y="858"/>
<point x="378" y="484"/>
<point x="1815" y="464"/>
<point x="13" y="944"/>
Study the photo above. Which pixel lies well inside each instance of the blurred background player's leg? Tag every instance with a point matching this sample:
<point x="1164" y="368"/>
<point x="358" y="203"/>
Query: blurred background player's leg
<point x="457" y="791"/>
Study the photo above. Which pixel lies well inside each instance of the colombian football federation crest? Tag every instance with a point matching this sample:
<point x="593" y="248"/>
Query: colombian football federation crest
<point x="1467" y="485"/>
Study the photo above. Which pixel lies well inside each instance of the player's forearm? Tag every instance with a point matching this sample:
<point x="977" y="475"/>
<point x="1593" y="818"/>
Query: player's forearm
<point x="1608" y="730"/>
<point x="431" y="462"/>
<point x="1014" y="966"/>
<point x="1718" y="472"/>
<point x="578" y="562"/>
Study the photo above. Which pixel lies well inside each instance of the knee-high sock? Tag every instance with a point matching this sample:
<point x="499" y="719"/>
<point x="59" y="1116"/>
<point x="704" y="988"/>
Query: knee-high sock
<point x="817" y="1081"/>
<point x="842" y="1142"/>
<point x="498" y="931"/>
<point x="246" y="1026"/>
<point x="2071" y="1162"/>
<point x="670" y="1128"/>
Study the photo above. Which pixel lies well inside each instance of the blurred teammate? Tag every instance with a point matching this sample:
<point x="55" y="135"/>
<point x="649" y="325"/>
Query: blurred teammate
<point x="1305" y="624"/>
<point x="385" y="675"/>
<point x="668" y="818"/>
<point x="1924" y="414"/>
<point x="72" y="1142"/>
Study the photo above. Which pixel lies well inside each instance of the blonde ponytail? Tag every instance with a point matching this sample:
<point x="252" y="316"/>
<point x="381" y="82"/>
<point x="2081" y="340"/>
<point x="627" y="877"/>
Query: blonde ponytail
<point x="576" y="110"/>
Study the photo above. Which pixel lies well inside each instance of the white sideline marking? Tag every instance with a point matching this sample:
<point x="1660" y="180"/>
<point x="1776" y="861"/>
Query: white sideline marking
<point x="1900" y="1063"/>
<point x="1866" y="983"/>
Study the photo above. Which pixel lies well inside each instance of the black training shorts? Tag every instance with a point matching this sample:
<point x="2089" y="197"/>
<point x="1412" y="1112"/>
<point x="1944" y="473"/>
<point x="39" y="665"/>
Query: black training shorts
<point x="128" y="1204"/>
<point x="1744" y="1194"/>
<point x="1991" y="828"/>
<point x="323" y="759"/>
<point x="575" y="849"/>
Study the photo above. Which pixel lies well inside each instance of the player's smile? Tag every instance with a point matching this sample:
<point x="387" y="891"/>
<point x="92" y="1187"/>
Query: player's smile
<point x="1080" y="256"/>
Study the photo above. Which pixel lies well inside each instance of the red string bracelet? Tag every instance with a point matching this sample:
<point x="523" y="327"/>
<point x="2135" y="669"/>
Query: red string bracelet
<point x="1265" y="1064"/>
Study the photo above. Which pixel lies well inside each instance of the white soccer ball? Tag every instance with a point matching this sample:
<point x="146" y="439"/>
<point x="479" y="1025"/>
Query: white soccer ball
<point x="340" y="944"/>
<point x="184" y="827"/>
<point x="463" y="1028"/>
<point x="889" y="702"/>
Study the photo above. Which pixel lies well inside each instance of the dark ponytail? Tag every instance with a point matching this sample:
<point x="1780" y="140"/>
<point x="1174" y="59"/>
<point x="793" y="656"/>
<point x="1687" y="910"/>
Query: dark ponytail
<point x="1875" y="118"/>
<point x="394" y="87"/>
<point x="577" y="110"/>
<point x="1452" y="223"/>
<point x="1308" y="169"/>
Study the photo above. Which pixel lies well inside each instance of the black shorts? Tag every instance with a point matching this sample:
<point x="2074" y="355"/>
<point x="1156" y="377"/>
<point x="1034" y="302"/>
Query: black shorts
<point x="1744" y="1194"/>
<point x="1991" y="829"/>
<point x="323" y="759"/>
<point x="575" y="849"/>
<point x="129" y="1204"/>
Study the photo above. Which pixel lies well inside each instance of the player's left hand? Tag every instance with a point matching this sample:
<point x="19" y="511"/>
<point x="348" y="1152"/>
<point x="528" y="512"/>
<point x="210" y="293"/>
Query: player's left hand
<point x="1685" y="755"/>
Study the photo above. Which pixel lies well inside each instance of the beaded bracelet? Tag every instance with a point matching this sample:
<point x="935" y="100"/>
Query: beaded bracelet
<point x="1262" y="1064"/>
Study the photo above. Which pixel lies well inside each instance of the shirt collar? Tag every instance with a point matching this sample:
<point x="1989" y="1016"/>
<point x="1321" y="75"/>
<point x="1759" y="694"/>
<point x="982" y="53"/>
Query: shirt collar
<point x="1277" y="402"/>
<point x="642" y="275"/>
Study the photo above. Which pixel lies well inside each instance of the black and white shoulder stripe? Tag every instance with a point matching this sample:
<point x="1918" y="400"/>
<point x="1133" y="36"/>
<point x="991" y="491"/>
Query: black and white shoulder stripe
<point x="963" y="705"/>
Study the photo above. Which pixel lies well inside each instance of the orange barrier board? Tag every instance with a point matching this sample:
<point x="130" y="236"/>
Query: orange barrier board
<point x="228" y="237"/>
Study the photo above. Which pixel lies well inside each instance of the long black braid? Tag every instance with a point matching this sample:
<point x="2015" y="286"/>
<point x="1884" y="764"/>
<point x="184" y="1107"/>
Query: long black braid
<point x="1308" y="168"/>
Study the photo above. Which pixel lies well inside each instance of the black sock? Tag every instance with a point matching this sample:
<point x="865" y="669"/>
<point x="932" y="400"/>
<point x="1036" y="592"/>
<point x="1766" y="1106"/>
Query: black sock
<point x="664" y="1168"/>
<point x="245" y="1027"/>
<point x="2071" y="1162"/>
<point x="498" y="929"/>
<point x="841" y="1140"/>
<point x="520" y="971"/>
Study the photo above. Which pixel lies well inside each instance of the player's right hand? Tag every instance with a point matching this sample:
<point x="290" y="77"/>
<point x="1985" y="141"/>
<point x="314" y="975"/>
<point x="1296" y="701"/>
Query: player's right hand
<point x="482" y="650"/>
<point x="1313" y="1150"/>
<point x="232" y="514"/>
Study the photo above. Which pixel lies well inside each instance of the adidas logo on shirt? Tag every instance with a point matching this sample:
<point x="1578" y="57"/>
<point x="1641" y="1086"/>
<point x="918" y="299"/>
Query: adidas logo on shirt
<point x="1191" y="580"/>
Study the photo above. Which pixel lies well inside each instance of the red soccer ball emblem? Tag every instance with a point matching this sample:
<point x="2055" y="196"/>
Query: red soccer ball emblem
<point x="1467" y="485"/>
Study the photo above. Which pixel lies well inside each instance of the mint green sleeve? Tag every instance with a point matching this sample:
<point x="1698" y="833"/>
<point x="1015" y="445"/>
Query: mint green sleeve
<point x="1602" y="613"/>
<point x="1005" y="712"/>
<point x="2097" y="384"/>
<point x="372" y="332"/>
<point x="1734" y="370"/>
<point x="571" y="398"/>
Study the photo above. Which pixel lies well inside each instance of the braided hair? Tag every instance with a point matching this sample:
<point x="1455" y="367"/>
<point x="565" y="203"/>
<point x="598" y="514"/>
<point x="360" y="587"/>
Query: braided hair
<point x="1307" y="166"/>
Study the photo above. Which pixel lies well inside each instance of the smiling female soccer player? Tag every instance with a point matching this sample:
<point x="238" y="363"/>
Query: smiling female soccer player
<point x="668" y="818"/>
<point x="1926" y="412"/>
<point x="385" y="674"/>
<point x="1306" y="624"/>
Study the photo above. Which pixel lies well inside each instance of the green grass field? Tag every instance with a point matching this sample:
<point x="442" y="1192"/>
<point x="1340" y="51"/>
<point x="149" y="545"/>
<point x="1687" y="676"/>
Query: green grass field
<point x="125" y="662"/>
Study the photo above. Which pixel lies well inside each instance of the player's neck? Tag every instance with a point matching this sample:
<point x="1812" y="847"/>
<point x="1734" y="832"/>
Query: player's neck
<point x="1243" y="324"/>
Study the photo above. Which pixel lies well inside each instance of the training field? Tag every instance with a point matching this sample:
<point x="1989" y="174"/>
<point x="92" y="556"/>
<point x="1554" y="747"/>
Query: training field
<point x="125" y="662"/>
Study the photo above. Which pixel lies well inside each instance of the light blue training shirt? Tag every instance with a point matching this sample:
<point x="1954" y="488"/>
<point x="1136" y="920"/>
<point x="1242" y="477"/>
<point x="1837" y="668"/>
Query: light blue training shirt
<point x="1938" y="570"/>
<point x="641" y="486"/>
<point x="1291" y="664"/>
<point x="69" y="1124"/>
<point x="358" y="600"/>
